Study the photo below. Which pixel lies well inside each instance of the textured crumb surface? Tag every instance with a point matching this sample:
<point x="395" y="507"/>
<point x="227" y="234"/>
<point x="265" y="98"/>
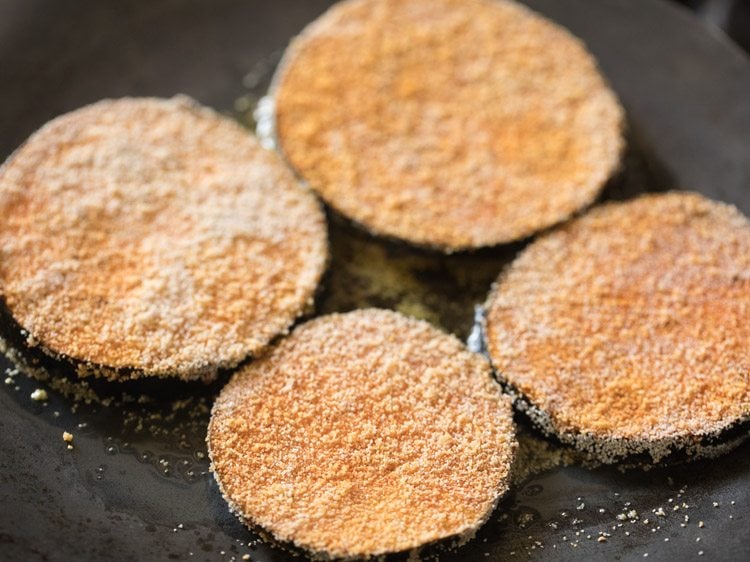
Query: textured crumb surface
<point x="362" y="434"/>
<point x="630" y="324"/>
<point x="446" y="123"/>
<point x="157" y="236"/>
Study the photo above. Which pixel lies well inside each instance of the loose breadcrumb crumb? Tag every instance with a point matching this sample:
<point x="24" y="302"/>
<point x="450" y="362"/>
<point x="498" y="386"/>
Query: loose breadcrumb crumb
<point x="67" y="437"/>
<point x="39" y="395"/>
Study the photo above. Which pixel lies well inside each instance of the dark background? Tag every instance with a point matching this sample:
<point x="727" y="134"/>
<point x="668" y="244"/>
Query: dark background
<point x="733" y="16"/>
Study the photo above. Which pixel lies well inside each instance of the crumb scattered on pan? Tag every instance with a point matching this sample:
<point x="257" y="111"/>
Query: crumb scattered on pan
<point x="39" y="395"/>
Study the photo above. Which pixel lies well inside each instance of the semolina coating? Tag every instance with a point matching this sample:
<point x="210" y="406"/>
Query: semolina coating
<point x="155" y="237"/>
<point x="362" y="434"/>
<point x="451" y="124"/>
<point x="629" y="325"/>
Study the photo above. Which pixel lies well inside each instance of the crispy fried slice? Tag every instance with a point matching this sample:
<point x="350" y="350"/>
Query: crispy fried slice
<point x="154" y="237"/>
<point x="627" y="330"/>
<point x="361" y="434"/>
<point x="452" y="124"/>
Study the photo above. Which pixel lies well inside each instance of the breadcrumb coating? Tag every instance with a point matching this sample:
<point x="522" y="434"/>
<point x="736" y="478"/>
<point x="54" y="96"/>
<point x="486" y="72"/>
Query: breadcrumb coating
<point x="362" y="434"/>
<point x="154" y="237"/>
<point x="626" y="330"/>
<point x="452" y="124"/>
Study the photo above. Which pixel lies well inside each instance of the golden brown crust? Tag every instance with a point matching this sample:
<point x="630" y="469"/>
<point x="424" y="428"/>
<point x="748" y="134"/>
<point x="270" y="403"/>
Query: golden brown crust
<point x="157" y="236"/>
<point x="361" y="434"/>
<point x="632" y="322"/>
<point x="447" y="123"/>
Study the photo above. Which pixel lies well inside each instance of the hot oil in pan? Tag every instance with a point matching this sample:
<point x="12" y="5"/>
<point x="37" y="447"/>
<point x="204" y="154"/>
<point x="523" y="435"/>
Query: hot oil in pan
<point x="160" y="425"/>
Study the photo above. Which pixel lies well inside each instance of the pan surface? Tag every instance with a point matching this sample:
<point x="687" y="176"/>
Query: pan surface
<point x="136" y="485"/>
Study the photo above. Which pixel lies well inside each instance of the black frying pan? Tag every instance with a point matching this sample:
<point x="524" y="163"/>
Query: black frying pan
<point x="136" y="486"/>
